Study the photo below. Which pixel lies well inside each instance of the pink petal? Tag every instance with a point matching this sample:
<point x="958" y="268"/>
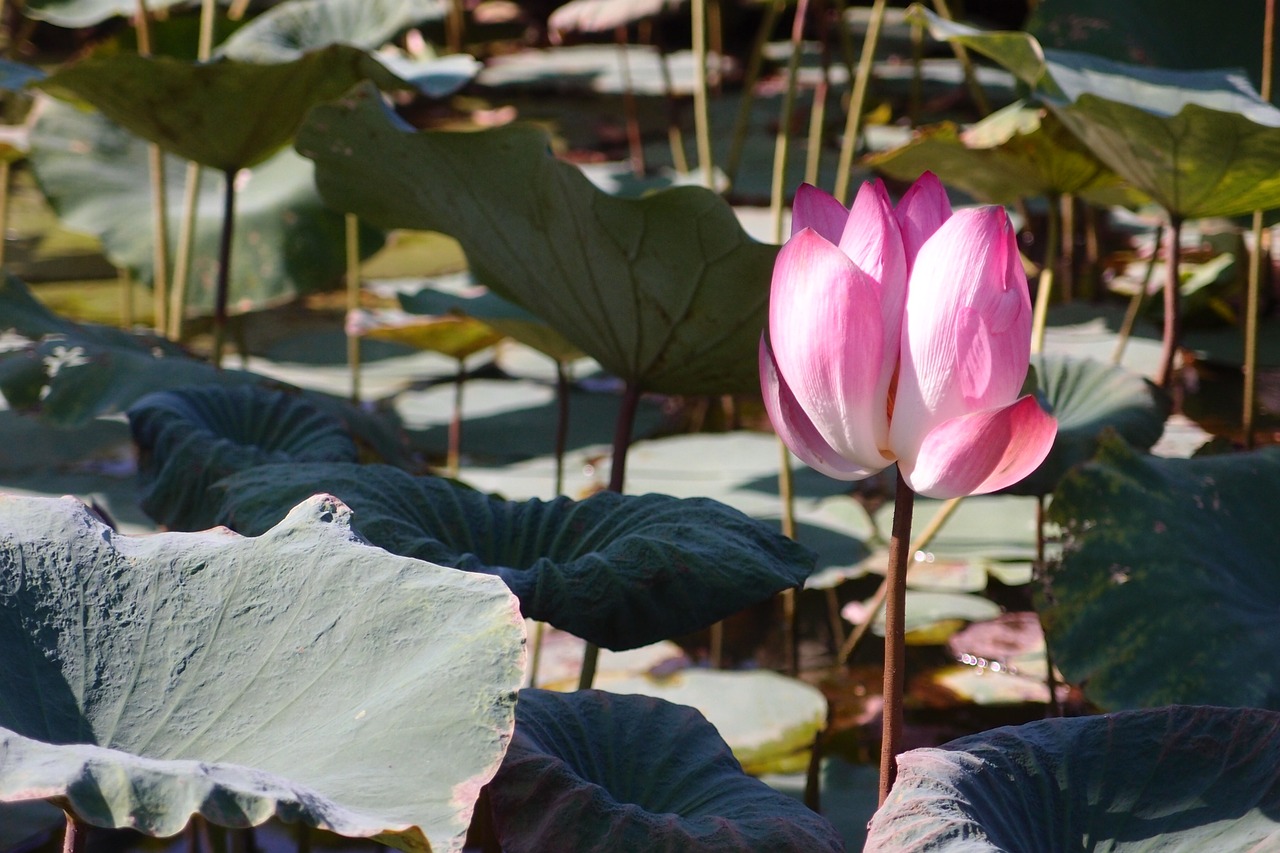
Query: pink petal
<point x="922" y="210"/>
<point x="794" y="427"/>
<point x="819" y="210"/>
<point x="982" y="452"/>
<point x="967" y="330"/>
<point x="828" y="345"/>
<point x="873" y="242"/>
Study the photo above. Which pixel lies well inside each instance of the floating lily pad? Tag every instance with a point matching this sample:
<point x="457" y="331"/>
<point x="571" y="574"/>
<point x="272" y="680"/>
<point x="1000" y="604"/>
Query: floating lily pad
<point x="1165" y="592"/>
<point x="1088" y="398"/>
<point x="768" y="720"/>
<point x="1175" y="779"/>
<point x="666" y="291"/>
<point x="1200" y="143"/>
<point x="189" y="438"/>
<point x="619" y="570"/>
<point x="666" y="782"/>
<point x="287" y="242"/>
<point x="303" y="675"/>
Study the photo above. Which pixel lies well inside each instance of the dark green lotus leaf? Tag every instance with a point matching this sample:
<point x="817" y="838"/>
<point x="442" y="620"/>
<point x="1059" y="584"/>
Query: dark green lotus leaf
<point x="189" y="438"/>
<point x="1200" y="143"/>
<point x="225" y="114"/>
<point x="1179" y="779"/>
<point x="286" y="32"/>
<point x="666" y="291"/>
<point x="72" y="373"/>
<point x="1166" y="591"/>
<point x="303" y="675"/>
<point x="501" y="314"/>
<point x="97" y="177"/>
<point x="1015" y="153"/>
<point x="666" y="782"/>
<point x="75" y="14"/>
<point x="621" y="571"/>
<point x="1089" y="397"/>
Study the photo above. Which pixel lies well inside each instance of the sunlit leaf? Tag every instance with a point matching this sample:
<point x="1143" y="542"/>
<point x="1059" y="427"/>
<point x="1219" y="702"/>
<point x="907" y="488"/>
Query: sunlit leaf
<point x="189" y="438"/>
<point x="619" y="570"/>
<point x="1200" y="143"/>
<point x="665" y="291"/>
<point x="1174" y="779"/>
<point x="503" y="315"/>
<point x="453" y="335"/>
<point x="289" y="30"/>
<point x="302" y="674"/>
<point x="1015" y="153"/>
<point x="1166" y="591"/>
<point x="667" y="781"/>
<point x="97" y="177"/>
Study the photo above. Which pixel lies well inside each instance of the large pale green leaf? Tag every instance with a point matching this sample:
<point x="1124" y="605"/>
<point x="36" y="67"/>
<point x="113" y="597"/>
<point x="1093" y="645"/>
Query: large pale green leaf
<point x="1089" y="397"/>
<point x="1174" y="780"/>
<point x="189" y="438"/>
<point x="97" y="177"/>
<point x="1015" y="153"/>
<point x="1200" y="143"/>
<point x="619" y="570"/>
<point x="226" y="114"/>
<point x="72" y="373"/>
<point x="302" y="674"/>
<point x="1167" y="590"/>
<point x="666" y="291"/>
<point x="665" y="782"/>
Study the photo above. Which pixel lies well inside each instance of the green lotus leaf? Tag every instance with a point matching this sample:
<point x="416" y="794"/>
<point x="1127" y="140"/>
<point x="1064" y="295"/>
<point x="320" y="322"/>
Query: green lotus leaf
<point x="72" y="373"/>
<point x="1200" y="143"/>
<point x="1015" y="153"/>
<point x="1176" y="780"/>
<point x="189" y="438"/>
<point x="667" y="782"/>
<point x="302" y="675"/>
<point x="1088" y="398"/>
<point x="666" y="291"/>
<point x="768" y="720"/>
<point x="226" y="114"/>
<point x="501" y="314"/>
<point x="453" y="335"/>
<point x="96" y="175"/>
<point x="288" y="31"/>
<point x="619" y="570"/>
<point x="75" y="14"/>
<point x="1165" y="592"/>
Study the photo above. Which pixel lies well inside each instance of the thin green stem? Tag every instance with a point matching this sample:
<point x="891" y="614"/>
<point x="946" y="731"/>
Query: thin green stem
<point x="629" y="108"/>
<point x="622" y="430"/>
<point x="1040" y="572"/>
<point x="1135" y="302"/>
<point x="1253" y="299"/>
<point x="701" y="111"/>
<point x="895" y="647"/>
<point x="1172" y="310"/>
<point x="562" y="422"/>
<point x="353" y="300"/>
<point x="224" y="265"/>
<point x="453" y="458"/>
<point x="750" y="77"/>
<point x="1045" y="288"/>
<point x="787" y="494"/>
<point x="4" y="207"/>
<point x="159" y="199"/>
<point x="818" y="114"/>
<point x="853" y="120"/>
<point x="966" y="64"/>
<point x="782" y="141"/>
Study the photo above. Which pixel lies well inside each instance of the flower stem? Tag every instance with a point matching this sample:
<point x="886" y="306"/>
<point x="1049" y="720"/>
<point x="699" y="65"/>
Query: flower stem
<point x="1135" y="304"/>
<point x="453" y="458"/>
<point x="1047" y="273"/>
<point x="895" y="646"/>
<point x="562" y="422"/>
<point x="1172" y="318"/>
<point x="782" y="141"/>
<point x="224" y="266"/>
<point x="353" y="300"/>
<point x="617" y="476"/>
<point x="1259" y="253"/>
<point x="858" y="98"/>
<point x="701" y="112"/>
<point x="749" y="79"/>
<point x="76" y="837"/>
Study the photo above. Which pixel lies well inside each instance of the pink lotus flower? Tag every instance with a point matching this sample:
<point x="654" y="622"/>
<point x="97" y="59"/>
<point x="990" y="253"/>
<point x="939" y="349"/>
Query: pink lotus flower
<point x="903" y="336"/>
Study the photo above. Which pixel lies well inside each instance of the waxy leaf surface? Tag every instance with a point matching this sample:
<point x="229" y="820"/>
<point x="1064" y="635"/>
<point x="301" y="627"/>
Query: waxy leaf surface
<point x="1167" y="589"/>
<point x="619" y="570"/>
<point x="302" y="675"/>
<point x="666" y="291"/>
<point x="667" y="782"/>
<point x="1175" y="780"/>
